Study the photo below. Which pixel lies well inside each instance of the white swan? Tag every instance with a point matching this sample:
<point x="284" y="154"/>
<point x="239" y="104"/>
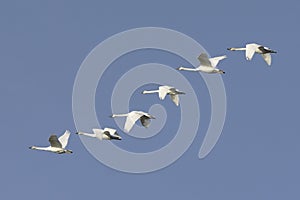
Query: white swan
<point x="57" y="145"/>
<point x="102" y="134"/>
<point x="255" y="48"/>
<point x="164" y="90"/>
<point x="133" y="116"/>
<point x="207" y="65"/>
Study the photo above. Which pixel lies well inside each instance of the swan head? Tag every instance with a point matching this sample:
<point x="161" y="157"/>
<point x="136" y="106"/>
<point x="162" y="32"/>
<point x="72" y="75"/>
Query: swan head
<point x="179" y="68"/>
<point x="32" y="147"/>
<point x="230" y="49"/>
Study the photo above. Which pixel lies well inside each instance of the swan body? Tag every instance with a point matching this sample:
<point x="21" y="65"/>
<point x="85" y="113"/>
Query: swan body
<point x="57" y="145"/>
<point x="133" y="116"/>
<point x="102" y="134"/>
<point x="207" y="65"/>
<point x="253" y="48"/>
<point x="166" y="90"/>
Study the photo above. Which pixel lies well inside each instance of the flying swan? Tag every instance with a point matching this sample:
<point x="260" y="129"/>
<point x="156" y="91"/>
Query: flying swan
<point x="207" y="65"/>
<point x="252" y="48"/>
<point x="57" y="145"/>
<point x="133" y="116"/>
<point x="164" y="90"/>
<point x="102" y="134"/>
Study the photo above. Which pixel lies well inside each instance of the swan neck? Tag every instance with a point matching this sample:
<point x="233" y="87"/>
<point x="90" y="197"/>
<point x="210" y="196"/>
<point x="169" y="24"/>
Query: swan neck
<point x="238" y="49"/>
<point x="150" y="91"/>
<point x="188" y="69"/>
<point x="40" y="148"/>
<point x="86" y="134"/>
<point x="119" y="115"/>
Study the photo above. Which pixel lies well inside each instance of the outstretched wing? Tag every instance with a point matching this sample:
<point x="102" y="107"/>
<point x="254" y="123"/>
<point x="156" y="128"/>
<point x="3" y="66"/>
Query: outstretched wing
<point x="267" y="58"/>
<point x="215" y="60"/>
<point x="204" y="60"/>
<point x="54" y="142"/>
<point x="64" y="139"/>
<point x="250" y="50"/>
<point x="163" y="91"/>
<point x="110" y="130"/>
<point x="175" y="98"/>
<point x="130" y="120"/>
<point x="145" y="121"/>
<point x="107" y="134"/>
<point x="99" y="133"/>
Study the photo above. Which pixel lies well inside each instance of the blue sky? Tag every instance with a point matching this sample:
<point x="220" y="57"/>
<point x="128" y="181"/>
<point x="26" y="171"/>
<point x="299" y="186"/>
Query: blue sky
<point x="43" y="45"/>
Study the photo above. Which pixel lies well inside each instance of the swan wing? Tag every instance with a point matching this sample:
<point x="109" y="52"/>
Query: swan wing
<point x="250" y="50"/>
<point x="148" y="115"/>
<point x="130" y="120"/>
<point x="214" y="61"/>
<point x="64" y="138"/>
<point x="54" y="141"/>
<point x="145" y="121"/>
<point x="204" y="60"/>
<point x="110" y="130"/>
<point x="98" y="133"/>
<point x="175" y="98"/>
<point x="267" y="58"/>
<point x="106" y="135"/>
<point x="113" y="134"/>
<point x="163" y="91"/>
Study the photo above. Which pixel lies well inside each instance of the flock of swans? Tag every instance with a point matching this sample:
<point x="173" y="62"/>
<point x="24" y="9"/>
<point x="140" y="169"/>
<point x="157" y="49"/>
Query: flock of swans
<point x="207" y="65"/>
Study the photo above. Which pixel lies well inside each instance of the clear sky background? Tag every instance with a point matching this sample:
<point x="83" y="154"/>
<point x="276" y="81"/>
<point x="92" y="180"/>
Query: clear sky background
<point x="42" y="45"/>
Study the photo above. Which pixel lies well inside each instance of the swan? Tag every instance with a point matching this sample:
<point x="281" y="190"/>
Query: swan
<point x="252" y="48"/>
<point x="207" y="65"/>
<point x="102" y="134"/>
<point x="133" y="116"/>
<point x="164" y="90"/>
<point x="57" y="145"/>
